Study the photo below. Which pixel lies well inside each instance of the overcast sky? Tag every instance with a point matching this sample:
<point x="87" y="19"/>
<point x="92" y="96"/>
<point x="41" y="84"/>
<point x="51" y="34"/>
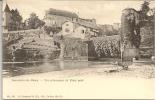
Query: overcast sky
<point x="105" y="12"/>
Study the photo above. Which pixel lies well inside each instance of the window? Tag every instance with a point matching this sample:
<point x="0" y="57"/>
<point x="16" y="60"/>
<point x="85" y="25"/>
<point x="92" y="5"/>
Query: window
<point x="67" y="30"/>
<point x="82" y="31"/>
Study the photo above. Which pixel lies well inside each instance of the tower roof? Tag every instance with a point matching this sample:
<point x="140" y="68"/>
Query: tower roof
<point x="7" y="9"/>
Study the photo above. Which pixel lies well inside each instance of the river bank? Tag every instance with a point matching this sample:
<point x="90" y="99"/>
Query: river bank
<point x="96" y="82"/>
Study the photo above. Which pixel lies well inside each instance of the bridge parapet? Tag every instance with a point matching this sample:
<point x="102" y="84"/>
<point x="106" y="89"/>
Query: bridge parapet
<point x="14" y="35"/>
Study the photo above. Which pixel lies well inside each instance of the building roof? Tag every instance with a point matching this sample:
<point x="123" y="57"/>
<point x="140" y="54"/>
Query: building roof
<point x="87" y="23"/>
<point x="61" y="13"/>
<point x="7" y="9"/>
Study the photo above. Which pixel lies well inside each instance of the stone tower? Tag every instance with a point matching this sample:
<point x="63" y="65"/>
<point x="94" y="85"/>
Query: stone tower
<point x="6" y="18"/>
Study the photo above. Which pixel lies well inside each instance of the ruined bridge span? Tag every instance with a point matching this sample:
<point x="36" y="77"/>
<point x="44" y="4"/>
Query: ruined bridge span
<point x="11" y="37"/>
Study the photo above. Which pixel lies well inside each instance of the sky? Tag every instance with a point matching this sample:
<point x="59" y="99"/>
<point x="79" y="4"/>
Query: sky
<point x="105" y="12"/>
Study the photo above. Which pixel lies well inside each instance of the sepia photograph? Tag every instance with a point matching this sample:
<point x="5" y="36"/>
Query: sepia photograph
<point x="74" y="49"/>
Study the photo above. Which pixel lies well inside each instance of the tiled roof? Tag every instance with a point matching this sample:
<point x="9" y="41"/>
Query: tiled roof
<point x="7" y="9"/>
<point x="86" y="23"/>
<point x="62" y="13"/>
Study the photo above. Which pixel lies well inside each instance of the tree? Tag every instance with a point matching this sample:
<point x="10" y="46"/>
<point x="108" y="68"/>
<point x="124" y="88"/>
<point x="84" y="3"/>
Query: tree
<point x="16" y="20"/>
<point x="34" y="22"/>
<point x="145" y="7"/>
<point x="53" y="29"/>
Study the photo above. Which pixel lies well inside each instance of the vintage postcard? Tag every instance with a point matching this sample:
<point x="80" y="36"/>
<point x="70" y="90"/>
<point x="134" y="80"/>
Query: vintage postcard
<point x="78" y="49"/>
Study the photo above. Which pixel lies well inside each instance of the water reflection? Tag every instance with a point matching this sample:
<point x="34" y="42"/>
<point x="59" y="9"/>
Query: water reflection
<point x="11" y="70"/>
<point x="61" y="64"/>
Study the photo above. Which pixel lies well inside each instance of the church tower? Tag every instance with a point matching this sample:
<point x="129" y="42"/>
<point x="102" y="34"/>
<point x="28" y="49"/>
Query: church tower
<point x="6" y="18"/>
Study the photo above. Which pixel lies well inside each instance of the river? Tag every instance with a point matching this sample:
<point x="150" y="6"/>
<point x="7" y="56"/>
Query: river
<point x="16" y="69"/>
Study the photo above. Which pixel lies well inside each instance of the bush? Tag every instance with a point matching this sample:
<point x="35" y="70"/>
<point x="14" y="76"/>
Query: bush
<point x="53" y="29"/>
<point x="108" y="46"/>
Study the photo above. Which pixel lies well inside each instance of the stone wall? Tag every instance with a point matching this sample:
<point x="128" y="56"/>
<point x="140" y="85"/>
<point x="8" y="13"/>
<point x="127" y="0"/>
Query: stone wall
<point x="72" y="48"/>
<point x="75" y="49"/>
<point x="12" y="36"/>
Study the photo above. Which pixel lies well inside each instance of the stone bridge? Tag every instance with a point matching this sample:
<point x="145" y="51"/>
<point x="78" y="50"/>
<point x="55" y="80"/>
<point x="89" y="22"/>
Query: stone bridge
<point x="11" y="37"/>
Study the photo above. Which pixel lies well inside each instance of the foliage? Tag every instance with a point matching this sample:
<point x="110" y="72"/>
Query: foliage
<point x="108" y="46"/>
<point x="34" y="22"/>
<point x="16" y="20"/>
<point x="53" y="29"/>
<point x="144" y="10"/>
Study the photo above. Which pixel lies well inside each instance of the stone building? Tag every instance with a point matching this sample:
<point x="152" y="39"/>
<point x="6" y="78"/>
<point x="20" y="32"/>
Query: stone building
<point x="54" y="17"/>
<point x="81" y="28"/>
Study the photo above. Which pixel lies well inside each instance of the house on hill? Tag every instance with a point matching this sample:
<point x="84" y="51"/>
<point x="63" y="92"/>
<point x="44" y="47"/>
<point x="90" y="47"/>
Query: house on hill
<point x="54" y="17"/>
<point x="81" y="28"/>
